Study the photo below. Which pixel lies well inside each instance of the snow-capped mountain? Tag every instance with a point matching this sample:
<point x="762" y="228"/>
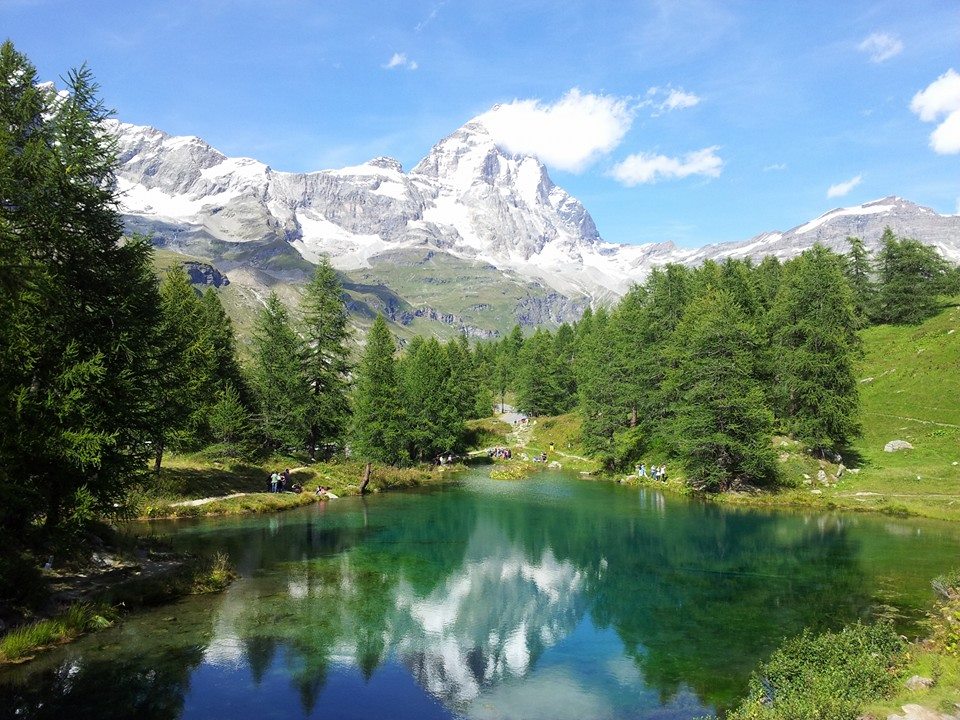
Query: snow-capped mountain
<point x="467" y="199"/>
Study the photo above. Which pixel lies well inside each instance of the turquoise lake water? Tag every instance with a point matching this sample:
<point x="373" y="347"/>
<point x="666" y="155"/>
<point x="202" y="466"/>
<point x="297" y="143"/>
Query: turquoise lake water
<point x="552" y="597"/>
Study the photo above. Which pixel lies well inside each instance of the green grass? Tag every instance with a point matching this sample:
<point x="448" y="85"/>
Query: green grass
<point x="195" y="476"/>
<point x="909" y="387"/>
<point x="486" y="432"/>
<point x="24" y="642"/>
<point x="563" y="431"/>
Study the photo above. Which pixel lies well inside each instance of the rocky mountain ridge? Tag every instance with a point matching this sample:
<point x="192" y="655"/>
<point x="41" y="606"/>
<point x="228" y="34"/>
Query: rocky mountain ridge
<point x="468" y="200"/>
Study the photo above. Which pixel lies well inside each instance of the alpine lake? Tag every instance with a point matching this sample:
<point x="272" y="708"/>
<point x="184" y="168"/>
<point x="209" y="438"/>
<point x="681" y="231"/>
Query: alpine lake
<point x="552" y="597"/>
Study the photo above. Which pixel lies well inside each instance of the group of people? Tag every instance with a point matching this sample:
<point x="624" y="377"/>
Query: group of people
<point x="500" y="453"/>
<point x="447" y="459"/>
<point x="657" y="472"/>
<point x="325" y="492"/>
<point x="541" y="458"/>
<point x="280" y="482"/>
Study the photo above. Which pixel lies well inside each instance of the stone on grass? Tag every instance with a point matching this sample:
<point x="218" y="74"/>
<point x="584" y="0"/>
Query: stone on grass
<point x="895" y="445"/>
<point x="918" y="712"/>
<point x="918" y="682"/>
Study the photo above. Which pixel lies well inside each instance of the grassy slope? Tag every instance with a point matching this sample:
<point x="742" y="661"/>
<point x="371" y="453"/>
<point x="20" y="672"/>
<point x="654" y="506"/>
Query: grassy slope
<point x="910" y="378"/>
<point x="194" y="476"/>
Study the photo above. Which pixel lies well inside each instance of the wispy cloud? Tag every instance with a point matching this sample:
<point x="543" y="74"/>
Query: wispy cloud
<point x="775" y="166"/>
<point x="881" y="46"/>
<point x="649" y="168"/>
<point x="400" y="60"/>
<point x="430" y="16"/>
<point x="568" y="134"/>
<point x="842" y="188"/>
<point x="669" y="98"/>
<point x="941" y="99"/>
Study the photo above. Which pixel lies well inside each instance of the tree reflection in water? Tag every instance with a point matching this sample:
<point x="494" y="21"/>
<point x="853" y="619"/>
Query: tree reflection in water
<point x="550" y="598"/>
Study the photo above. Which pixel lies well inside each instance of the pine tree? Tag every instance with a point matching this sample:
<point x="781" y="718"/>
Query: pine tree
<point x="78" y="313"/>
<point x="910" y="280"/>
<point x="538" y="377"/>
<point x="601" y="404"/>
<point x="185" y="367"/>
<point x="815" y="344"/>
<point x="719" y="425"/>
<point x="434" y="424"/>
<point x="222" y="340"/>
<point x="859" y="272"/>
<point x="378" y="426"/>
<point x="229" y="422"/>
<point x="282" y="389"/>
<point x="327" y="357"/>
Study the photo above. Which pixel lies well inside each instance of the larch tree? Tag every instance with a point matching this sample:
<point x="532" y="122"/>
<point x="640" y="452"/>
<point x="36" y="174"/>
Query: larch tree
<point x="719" y="423"/>
<point x="859" y="273"/>
<point x="910" y="280"/>
<point x="816" y="344"/>
<point x="378" y="423"/>
<point x="78" y="314"/>
<point x="281" y="387"/>
<point x="326" y="358"/>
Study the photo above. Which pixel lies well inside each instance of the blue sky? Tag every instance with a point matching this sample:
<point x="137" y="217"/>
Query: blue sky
<point x="693" y="121"/>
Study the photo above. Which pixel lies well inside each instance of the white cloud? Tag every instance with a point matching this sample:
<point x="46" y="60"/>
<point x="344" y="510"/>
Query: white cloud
<point x="649" y="168"/>
<point x="842" y="188"/>
<point x="672" y="99"/>
<point x="881" y="47"/>
<point x="775" y="166"/>
<point x="400" y="60"/>
<point x="941" y="99"/>
<point x="678" y="100"/>
<point x="945" y="140"/>
<point x="568" y="134"/>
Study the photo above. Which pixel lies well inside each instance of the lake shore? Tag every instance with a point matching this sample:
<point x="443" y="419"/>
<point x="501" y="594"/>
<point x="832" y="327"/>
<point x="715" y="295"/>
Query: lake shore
<point x="194" y="486"/>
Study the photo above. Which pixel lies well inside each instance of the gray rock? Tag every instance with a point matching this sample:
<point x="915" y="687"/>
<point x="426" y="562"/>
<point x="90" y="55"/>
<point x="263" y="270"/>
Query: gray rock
<point x="821" y="477"/>
<point x="840" y="470"/>
<point x="918" y="682"/>
<point x="896" y="445"/>
<point x="918" y="712"/>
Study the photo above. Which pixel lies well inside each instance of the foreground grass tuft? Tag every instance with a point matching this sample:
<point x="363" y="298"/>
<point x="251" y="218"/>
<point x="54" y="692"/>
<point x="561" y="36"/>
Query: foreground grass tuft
<point x="22" y="643"/>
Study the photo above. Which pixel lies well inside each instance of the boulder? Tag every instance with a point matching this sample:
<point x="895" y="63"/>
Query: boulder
<point x="840" y="470"/>
<point x="918" y="712"/>
<point x="895" y="445"/>
<point x="918" y="682"/>
<point x="821" y="477"/>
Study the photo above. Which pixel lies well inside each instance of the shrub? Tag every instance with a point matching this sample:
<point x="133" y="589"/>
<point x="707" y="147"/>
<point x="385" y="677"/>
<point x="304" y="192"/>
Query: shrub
<point x="825" y="677"/>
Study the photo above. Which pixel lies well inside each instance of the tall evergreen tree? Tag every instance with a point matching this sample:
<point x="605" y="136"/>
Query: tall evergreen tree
<point x="719" y="424"/>
<point x="815" y="343"/>
<point x="539" y="377"/>
<point x="185" y="366"/>
<point x="378" y="425"/>
<point x="220" y="336"/>
<point x="910" y="280"/>
<point x="327" y="355"/>
<point x="859" y="274"/>
<point x="282" y="389"/>
<point x="78" y="313"/>
<point x="601" y="405"/>
<point x="434" y="423"/>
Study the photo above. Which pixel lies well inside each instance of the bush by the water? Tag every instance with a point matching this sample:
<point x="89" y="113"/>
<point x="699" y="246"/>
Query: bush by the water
<point x="825" y="677"/>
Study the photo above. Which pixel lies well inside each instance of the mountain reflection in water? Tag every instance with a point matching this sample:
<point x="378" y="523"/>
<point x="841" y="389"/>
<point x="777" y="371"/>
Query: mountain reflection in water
<point x="549" y="598"/>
